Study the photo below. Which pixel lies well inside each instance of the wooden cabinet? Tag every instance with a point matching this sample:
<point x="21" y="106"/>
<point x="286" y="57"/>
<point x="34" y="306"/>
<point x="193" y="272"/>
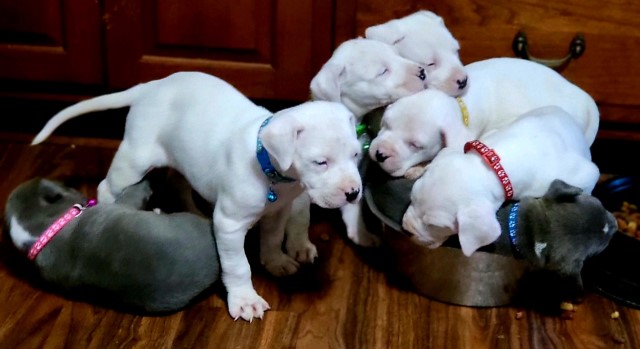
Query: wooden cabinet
<point x="51" y="41"/>
<point x="266" y="48"/>
<point x="608" y="69"/>
<point x="270" y="49"/>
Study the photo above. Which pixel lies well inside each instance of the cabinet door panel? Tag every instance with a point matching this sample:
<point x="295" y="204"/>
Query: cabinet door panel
<point x="263" y="47"/>
<point x="50" y="41"/>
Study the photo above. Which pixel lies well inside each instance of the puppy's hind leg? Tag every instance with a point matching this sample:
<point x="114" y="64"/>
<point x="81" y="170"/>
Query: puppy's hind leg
<point x="271" y="237"/>
<point x="128" y="167"/>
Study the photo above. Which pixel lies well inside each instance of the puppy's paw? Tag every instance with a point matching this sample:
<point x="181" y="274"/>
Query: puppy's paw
<point x="246" y="305"/>
<point x="302" y="250"/>
<point x="104" y="193"/>
<point x="364" y="238"/>
<point x="415" y="172"/>
<point x="279" y="264"/>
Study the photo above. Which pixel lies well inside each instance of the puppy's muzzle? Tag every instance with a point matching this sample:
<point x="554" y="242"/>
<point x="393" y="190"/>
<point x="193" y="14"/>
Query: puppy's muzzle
<point x="462" y="83"/>
<point x="352" y="195"/>
<point x="422" y="75"/>
<point x="380" y="157"/>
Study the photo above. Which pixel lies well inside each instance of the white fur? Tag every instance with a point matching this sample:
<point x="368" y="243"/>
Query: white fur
<point x="19" y="235"/>
<point x="415" y="128"/>
<point x="366" y="74"/>
<point x="422" y="37"/>
<point x="460" y="194"/>
<point x="539" y="247"/>
<point x="207" y="130"/>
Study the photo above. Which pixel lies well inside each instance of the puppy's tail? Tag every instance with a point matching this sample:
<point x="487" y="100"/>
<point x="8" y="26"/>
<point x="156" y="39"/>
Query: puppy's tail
<point x="109" y="101"/>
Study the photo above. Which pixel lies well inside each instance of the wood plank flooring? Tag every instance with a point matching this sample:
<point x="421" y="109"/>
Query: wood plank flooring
<point x="345" y="300"/>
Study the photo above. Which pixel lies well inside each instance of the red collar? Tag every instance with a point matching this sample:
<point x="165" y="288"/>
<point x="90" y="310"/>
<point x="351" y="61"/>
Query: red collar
<point x="53" y="229"/>
<point x="493" y="160"/>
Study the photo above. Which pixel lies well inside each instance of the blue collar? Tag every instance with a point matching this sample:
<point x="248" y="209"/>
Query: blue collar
<point x="513" y="226"/>
<point x="267" y="168"/>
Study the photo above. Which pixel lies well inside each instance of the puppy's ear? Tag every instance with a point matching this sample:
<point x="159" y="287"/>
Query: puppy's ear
<point x="561" y="191"/>
<point x="477" y="227"/>
<point x="387" y="32"/>
<point x="279" y="138"/>
<point x="50" y="191"/>
<point x="325" y="86"/>
<point x="432" y="16"/>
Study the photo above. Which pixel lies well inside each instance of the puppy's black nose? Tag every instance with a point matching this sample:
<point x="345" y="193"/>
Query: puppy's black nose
<point x="352" y="195"/>
<point x="380" y="157"/>
<point x="462" y="83"/>
<point x="422" y="75"/>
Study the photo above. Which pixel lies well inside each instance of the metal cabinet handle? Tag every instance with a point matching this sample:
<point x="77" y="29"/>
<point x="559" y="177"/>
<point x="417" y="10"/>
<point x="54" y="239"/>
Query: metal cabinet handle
<point x="521" y="49"/>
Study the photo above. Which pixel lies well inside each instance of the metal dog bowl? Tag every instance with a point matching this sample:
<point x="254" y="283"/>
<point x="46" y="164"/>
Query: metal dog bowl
<point x="614" y="273"/>
<point x="445" y="274"/>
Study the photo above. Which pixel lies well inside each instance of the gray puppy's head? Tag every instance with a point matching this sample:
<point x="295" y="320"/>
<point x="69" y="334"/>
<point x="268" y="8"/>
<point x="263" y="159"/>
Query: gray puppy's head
<point x="34" y="205"/>
<point x="559" y="231"/>
<point x="564" y="227"/>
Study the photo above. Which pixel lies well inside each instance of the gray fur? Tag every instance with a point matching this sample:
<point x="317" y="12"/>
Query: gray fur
<point x="573" y="227"/>
<point x="133" y="258"/>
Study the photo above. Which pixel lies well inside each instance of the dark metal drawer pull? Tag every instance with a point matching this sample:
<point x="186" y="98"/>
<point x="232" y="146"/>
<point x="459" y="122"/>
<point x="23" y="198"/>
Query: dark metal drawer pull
<point x="521" y="49"/>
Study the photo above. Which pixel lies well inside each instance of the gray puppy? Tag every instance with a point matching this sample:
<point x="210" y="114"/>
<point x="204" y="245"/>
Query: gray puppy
<point x="116" y="253"/>
<point x="554" y="234"/>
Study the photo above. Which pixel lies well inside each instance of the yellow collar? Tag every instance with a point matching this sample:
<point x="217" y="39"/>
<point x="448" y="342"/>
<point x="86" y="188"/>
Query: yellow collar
<point x="464" y="111"/>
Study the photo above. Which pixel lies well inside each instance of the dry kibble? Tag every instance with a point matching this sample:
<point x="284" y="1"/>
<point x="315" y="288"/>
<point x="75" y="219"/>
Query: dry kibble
<point x="628" y="219"/>
<point x="566" y="306"/>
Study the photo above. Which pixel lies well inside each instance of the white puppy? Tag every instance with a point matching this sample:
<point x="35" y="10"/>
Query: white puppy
<point x="460" y="192"/>
<point x="222" y="143"/>
<point x="422" y="37"/>
<point x="366" y="74"/>
<point x="415" y="128"/>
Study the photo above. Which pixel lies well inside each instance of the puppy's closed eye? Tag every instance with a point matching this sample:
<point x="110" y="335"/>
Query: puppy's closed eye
<point x="320" y="162"/>
<point x="415" y="146"/>
<point x="383" y="72"/>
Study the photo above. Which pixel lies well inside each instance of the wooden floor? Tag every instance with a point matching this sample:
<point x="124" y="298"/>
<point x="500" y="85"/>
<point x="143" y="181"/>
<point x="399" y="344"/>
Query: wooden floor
<point x="345" y="300"/>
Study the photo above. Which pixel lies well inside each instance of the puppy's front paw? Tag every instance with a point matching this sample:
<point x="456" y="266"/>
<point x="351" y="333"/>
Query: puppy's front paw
<point x="246" y="305"/>
<point x="302" y="250"/>
<point x="279" y="264"/>
<point x="415" y="172"/>
<point x="104" y="193"/>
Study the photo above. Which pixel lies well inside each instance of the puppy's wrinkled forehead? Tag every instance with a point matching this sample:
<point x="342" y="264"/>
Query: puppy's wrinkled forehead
<point x="330" y="124"/>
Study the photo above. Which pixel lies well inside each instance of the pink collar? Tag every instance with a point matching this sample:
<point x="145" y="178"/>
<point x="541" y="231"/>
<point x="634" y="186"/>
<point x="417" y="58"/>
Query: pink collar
<point x="493" y="160"/>
<point x="53" y="229"/>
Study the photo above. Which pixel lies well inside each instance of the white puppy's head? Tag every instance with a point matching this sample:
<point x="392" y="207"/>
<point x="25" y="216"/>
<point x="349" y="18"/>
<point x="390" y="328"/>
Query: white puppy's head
<point x="366" y="74"/>
<point x="423" y="38"/>
<point x="317" y="142"/>
<point x="446" y="201"/>
<point x="415" y="128"/>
